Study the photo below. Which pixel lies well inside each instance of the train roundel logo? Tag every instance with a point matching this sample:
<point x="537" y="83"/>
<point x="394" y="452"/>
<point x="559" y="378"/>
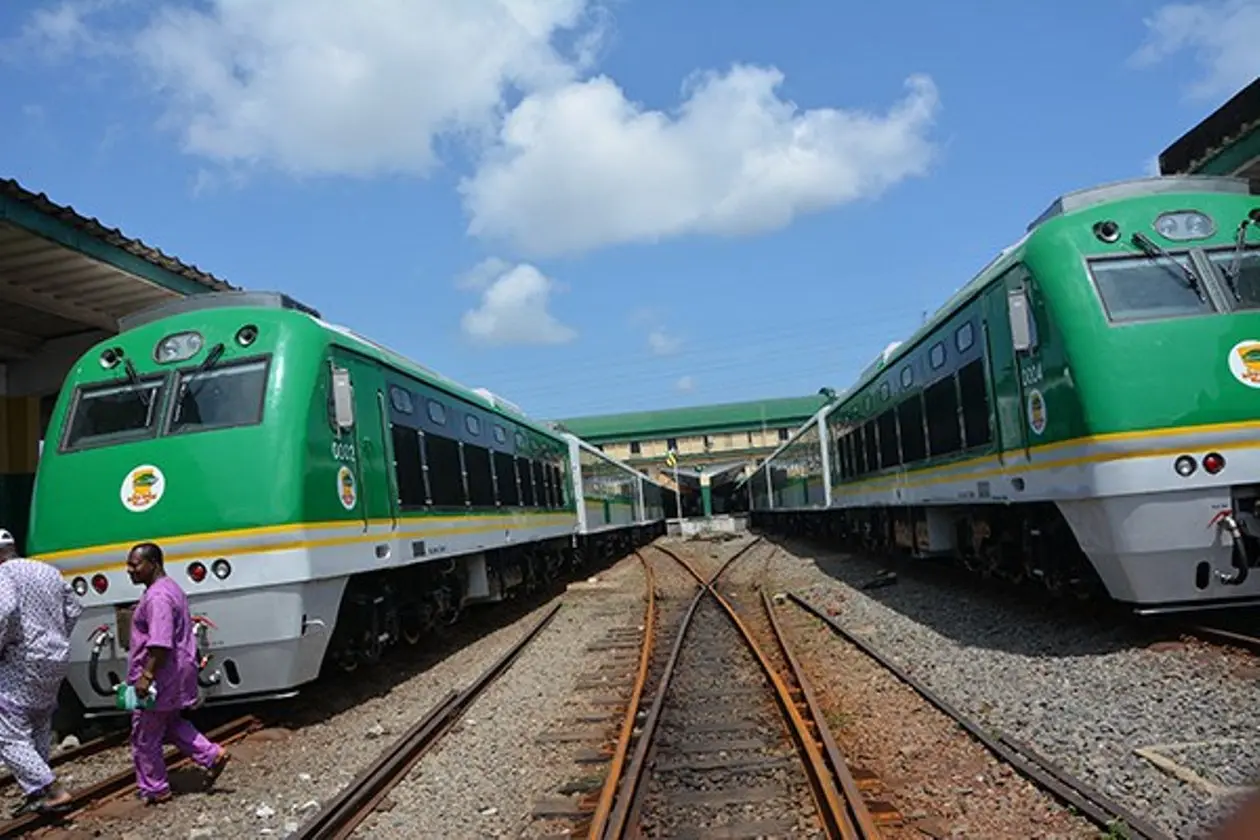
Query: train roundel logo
<point x="1036" y="411"/>
<point x="142" y="488"/>
<point x="346" y="490"/>
<point x="1244" y="362"/>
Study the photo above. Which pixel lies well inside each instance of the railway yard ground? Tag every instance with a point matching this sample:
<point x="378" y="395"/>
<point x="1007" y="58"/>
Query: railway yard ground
<point x="1168" y="729"/>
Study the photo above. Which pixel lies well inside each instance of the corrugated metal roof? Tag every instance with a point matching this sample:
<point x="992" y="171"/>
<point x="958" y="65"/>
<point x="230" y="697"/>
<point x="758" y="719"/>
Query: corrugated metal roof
<point x="62" y="273"/>
<point x="113" y="237"/>
<point x="1221" y="130"/>
<point x="772" y="413"/>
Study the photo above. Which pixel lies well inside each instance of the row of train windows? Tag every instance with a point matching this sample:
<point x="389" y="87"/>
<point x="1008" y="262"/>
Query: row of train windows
<point x="964" y="337"/>
<point x="949" y="416"/>
<point x="436" y="471"/>
<point x="402" y="401"/>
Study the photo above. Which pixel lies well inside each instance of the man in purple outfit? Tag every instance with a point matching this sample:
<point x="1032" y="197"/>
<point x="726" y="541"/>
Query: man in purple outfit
<point x="163" y="654"/>
<point x="38" y="611"/>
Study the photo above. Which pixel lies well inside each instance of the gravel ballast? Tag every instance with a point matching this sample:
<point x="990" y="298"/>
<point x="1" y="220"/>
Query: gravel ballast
<point x="1087" y="695"/>
<point x="487" y="774"/>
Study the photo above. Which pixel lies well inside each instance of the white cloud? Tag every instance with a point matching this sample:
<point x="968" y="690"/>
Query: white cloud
<point x="661" y="343"/>
<point x="1151" y="168"/>
<point x="580" y="166"/>
<point x="1224" y="36"/>
<point x="513" y="308"/>
<point x="685" y="383"/>
<point x="308" y="87"/>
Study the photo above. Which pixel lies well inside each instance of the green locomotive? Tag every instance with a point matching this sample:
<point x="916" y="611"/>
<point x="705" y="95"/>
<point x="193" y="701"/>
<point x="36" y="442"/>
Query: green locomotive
<point x="1085" y="412"/>
<point x="318" y="495"/>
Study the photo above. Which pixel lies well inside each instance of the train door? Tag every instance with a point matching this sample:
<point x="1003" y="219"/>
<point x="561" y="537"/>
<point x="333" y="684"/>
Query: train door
<point x="370" y="494"/>
<point x="1009" y="333"/>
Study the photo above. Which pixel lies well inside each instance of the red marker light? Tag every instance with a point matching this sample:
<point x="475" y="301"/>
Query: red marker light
<point x="197" y="572"/>
<point x="1213" y="462"/>
<point x="100" y="583"/>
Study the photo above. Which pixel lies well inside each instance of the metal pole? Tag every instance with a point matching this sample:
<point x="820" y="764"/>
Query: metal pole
<point x="677" y="491"/>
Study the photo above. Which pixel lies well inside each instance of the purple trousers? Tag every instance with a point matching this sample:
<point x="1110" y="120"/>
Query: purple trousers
<point x="150" y="728"/>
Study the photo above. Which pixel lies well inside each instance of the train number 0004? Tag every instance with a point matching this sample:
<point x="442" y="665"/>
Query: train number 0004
<point x="343" y="450"/>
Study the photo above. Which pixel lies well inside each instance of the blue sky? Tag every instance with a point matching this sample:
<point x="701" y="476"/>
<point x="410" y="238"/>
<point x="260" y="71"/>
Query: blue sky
<point x="593" y="207"/>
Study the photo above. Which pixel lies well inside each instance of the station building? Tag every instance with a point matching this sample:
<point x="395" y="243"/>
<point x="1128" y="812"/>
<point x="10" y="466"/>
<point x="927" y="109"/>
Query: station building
<point x="65" y="280"/>
<point x="1227" y="142"/>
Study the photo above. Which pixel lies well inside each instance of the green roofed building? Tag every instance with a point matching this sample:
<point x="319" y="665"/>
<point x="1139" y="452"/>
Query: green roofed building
<point x="701" y="435"/>
<point x="1227" y="142"/>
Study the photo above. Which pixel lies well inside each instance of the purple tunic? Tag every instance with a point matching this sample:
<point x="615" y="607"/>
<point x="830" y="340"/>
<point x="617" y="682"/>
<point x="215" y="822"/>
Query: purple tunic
<point x="162" y="620"/>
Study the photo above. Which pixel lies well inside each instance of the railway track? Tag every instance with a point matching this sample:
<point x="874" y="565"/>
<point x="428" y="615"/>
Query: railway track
<point x="733" y="744"/>
<point x="1102" y="810"/>
<point x="87" y="749"/>
<point x="119" y="784"/>
<point x="344" y="813"/>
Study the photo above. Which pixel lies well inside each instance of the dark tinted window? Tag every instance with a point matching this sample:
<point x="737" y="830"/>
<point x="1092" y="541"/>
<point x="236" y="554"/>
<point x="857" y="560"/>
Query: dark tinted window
<point x="109" y="412"/>
<point x="222" y="397"/>
<point x="1140" y="288"/>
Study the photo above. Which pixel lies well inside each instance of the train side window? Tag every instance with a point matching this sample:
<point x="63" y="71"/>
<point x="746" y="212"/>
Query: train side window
<point x="472" y="424"/>
<point x="505" y="479"/>
<point x="964" y="337"/>
<point x="871" y="445"/>
<point x="941" y="403"/>
<point x="408" y="467"/>
<point x="401" y="399"/>
<point x="446" y="470"/>
<point x="885" y="391"/>
<point x="558" y="479"/>
<point x="907" y="376"/>
<point x="500" y="436"/>
<point x="936" y="356"/>
<point x="437" y="412"/>
<point x="910" y="420"/>
<point x="975" y="404"/>
<point x="528" y="498"/>
<point x="889" y="454"/>
<point x="480" y="480"/>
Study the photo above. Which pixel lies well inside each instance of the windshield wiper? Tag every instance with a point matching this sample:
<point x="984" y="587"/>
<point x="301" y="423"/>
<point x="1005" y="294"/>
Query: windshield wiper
<point x="1152" y="250"/>
<point x="1235" y="264"/>
<point x="212" y="358"/>
<point x="142" y="392"/>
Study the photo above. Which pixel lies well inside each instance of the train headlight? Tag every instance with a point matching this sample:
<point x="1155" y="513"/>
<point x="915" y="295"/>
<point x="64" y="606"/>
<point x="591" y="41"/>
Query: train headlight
<point x="100" y="583"/>
<point x="1213" y="462"/>
<point x="1185" y="466"/>
<point x="177" y="347"/>
<point x="79" y="585"/>
<point x="197" y="571"/>
<point x="1185" y="224"/>
<point x="221" y="568"/>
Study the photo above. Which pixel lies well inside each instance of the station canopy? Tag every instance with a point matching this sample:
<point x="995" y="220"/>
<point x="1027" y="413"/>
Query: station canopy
<point x="63" y="274"/>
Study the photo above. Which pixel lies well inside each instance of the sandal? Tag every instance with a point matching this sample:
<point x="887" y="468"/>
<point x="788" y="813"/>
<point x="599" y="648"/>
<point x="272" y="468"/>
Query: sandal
<point x="156" y="799"/>
<point x="26" y="806"/>
<point x="44" y="807"/>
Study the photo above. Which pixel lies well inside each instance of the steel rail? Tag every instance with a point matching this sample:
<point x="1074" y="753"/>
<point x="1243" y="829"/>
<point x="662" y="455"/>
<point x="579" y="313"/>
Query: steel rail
<point x="831" y="804"/>
<point x="1099" y="808"/>
<point x="603" y="809"/>
<point x="1220" y="635"/>
<point x="123" y="782"/>
<point x="859" y="819"/>
<point x="342" y="815"/>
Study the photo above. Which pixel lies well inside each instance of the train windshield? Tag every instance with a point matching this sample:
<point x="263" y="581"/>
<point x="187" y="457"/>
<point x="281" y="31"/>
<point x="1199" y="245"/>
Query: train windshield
<point x="219" y="398"/>
<point x="1240" y="273"/>
<point x="113" y="413"/>
<point x="1141" y="288"/>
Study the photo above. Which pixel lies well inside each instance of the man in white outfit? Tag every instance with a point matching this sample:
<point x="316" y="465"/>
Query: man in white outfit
<point x="38" y="611"/>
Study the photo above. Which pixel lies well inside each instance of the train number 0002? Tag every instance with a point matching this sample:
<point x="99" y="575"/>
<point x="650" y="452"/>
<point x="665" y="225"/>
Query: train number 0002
<point x="1032" y="374"/>
<point x="343" y="450"/>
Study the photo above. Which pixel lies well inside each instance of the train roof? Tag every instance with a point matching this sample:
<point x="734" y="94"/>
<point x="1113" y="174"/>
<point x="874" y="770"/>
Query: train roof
<point x="281" y="302"/>
<point x="1065" y="204"/>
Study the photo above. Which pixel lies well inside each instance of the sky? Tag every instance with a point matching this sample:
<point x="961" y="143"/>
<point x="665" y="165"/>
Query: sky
<point x="595" y="206"/>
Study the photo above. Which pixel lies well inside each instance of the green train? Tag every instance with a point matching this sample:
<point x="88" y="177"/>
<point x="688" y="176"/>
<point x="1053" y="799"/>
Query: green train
<point x="319" y="496"/>
<point x="1084" y="413"/>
